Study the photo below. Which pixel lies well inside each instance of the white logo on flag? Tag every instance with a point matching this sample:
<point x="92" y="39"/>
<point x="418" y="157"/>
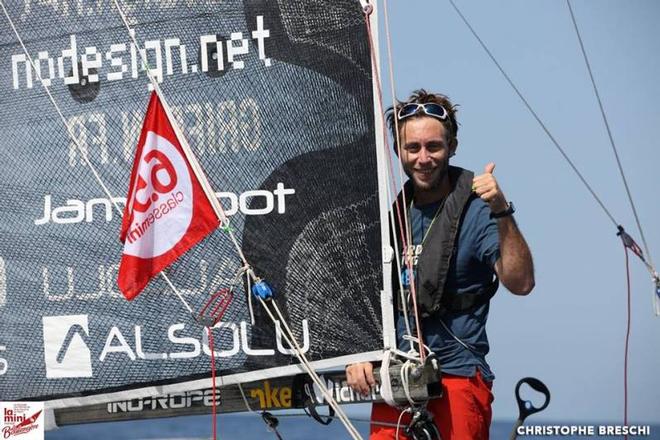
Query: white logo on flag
<point x="65" y="350"/>
<point x="163" y="200"/>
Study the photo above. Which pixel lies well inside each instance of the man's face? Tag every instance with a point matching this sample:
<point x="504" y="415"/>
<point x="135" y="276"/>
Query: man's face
<point x="425" y="152"/>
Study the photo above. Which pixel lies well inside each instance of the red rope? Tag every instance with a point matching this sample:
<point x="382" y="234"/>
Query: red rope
<point x="625" y="361"/>
<point x="213" y="404"/>
<point x="404" y="242"/>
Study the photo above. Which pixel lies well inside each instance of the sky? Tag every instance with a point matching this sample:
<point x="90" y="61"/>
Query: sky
<point x="570" y="331"/>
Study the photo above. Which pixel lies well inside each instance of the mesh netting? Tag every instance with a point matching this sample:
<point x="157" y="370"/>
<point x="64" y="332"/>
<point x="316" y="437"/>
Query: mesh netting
<point x="282" y="123"/>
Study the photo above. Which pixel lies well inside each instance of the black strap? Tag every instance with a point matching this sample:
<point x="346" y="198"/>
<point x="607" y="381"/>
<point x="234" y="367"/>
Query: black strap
<point x="454" y="302"/>
<point x="310" y="410"/>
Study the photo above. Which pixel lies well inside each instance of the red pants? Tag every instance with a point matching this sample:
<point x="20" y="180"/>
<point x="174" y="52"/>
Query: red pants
<point x="463" y="412"/>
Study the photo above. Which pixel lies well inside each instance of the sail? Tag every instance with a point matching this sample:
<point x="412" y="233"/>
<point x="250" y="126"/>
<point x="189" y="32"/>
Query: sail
<point x="276" y="101"/>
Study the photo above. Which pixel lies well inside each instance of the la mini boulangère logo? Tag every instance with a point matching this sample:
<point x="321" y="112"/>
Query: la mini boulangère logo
<point x="22" y="420"/>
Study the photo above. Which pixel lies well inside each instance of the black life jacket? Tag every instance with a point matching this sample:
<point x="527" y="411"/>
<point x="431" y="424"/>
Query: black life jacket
<point x="439" y="249"/>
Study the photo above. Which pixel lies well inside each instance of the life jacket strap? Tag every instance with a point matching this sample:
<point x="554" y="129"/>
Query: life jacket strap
<point x="454" y="302"/>
<point x="469" y="300"/>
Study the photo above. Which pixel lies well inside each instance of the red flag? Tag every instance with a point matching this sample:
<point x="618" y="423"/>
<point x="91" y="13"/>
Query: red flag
<point x="167" y="211"/>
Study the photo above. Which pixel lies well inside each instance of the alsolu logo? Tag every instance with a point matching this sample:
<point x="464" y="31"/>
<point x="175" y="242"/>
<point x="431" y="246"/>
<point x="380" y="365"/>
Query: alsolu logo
<point x="71" y="347"/>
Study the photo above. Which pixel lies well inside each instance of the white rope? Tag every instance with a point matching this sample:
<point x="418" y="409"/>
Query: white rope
<point x="414" y="356"/>
<point x="78" y="144"/>
<point x="301" y="356"/>
<point x="390" y="178"/>
<point x="385" y="382"/>
<point x="247" y="404"/>
<point x="413" y="360"/>
<point x="291" y="340"/>
<point x="406" y="227"/>
<point x="398" y="422"/>
<point x="412" y="350"/>
<point x="390" y="65"/>
<point x="405" y="382"/>
<point x="460" y="341"/>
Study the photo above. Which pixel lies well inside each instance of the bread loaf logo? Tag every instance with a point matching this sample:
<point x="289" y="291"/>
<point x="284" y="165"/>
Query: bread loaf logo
<point x="22" y="420"/>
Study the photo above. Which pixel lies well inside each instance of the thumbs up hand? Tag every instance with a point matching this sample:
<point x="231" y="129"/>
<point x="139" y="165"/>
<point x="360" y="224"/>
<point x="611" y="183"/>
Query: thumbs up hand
<point x="486" y="187"/>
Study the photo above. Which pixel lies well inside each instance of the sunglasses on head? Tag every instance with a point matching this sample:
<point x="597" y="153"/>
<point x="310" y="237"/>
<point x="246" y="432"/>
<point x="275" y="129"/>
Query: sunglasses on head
<point x="434" y="110"/>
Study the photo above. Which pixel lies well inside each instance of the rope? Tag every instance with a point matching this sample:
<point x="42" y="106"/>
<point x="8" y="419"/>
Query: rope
<point x="393" y="190"/>
<point x="291" y="340"/>
<point x="609" y="132"/>
<point x="265" y="416"/>
<point x="403" y="231"/>
<point x="398" y="422"/>
<point x="390" y="66"/>
<point x="408" y="226"/>
<point x="196" y="169"/>
<point x="649" y="265"/>
<point x="247" y="404"/>
<point x="625" y="356"/>
<point x="301" y="356"/>
<point x="214" y="404"/>
<point x="405" y="381"/>
<point x="271" y="424"/>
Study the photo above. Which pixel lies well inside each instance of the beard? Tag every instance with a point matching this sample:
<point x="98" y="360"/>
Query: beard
<point x="434" y="182"/>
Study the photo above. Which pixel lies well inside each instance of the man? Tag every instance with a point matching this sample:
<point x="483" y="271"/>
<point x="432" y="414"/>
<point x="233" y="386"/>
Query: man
<point x="452" y="284"/>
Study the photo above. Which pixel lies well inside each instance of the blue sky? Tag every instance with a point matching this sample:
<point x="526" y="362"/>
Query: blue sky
<point x="570" y="331"/>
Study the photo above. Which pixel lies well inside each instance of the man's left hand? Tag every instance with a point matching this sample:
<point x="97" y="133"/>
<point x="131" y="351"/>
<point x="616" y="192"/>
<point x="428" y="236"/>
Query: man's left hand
<point x="486" y="187"/>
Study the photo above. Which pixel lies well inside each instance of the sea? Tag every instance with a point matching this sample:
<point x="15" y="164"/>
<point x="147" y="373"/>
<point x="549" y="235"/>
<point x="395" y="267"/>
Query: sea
<point x="249" y="426"/>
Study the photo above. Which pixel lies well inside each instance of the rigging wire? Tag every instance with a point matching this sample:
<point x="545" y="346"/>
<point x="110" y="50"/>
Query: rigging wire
<point x="634" y="210"/>
<point x="623" y="235"/>
<point x="533" y="113"/>
<point x="192" y="159"/>
<point x="397" y="143"/>
<point x="650" y="264"/>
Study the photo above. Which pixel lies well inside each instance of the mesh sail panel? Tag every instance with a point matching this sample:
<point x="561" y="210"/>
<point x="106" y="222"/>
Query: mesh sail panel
<point x="275" y="98"/>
